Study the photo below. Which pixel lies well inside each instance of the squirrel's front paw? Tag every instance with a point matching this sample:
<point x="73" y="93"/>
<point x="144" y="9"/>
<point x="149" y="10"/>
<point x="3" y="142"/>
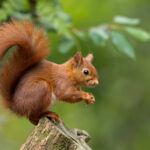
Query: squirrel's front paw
<point x="89" y="98"/>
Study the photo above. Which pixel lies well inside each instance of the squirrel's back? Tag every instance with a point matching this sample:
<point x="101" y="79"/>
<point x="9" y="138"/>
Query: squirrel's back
<point x="32" y="47"/>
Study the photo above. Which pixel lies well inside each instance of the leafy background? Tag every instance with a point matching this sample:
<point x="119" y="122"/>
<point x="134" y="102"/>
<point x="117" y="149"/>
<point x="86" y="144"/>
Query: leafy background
<point x="116" y="32"/>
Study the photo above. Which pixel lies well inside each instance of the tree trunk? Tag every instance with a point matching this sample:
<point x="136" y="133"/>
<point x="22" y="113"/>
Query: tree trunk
<point x="50" y="136"/>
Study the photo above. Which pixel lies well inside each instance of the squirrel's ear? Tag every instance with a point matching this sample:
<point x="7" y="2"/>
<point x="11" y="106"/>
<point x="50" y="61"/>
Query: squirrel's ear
<point x="89" y="57"/>
<point x="78" y="59"/>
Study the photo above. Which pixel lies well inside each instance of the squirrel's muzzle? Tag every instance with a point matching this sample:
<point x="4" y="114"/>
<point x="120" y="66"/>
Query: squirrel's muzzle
<point x="93" y="82"/>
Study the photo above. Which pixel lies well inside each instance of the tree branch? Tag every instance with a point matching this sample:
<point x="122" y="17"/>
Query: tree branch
<point x="32" y="5"/>
<point x="50" y="136"/>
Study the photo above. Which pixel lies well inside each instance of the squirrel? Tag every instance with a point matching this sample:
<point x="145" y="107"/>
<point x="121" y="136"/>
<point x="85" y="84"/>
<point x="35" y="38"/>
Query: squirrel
<point x="29" y="84"/>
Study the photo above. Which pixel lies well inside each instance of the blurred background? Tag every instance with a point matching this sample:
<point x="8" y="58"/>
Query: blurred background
<point x="120" y="117"/>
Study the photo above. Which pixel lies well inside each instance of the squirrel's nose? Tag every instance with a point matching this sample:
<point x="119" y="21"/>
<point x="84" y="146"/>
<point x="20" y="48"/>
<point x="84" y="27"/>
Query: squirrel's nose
<point x="95" y="82"/>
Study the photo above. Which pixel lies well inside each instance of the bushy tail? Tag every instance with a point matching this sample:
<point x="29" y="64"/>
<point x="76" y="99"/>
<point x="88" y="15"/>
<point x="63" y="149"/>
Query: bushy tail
<point x="32" y="48"/>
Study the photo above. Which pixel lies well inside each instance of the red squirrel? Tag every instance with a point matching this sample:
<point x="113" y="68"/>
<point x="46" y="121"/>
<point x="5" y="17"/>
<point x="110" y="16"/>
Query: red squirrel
<point x="29" y="84"/>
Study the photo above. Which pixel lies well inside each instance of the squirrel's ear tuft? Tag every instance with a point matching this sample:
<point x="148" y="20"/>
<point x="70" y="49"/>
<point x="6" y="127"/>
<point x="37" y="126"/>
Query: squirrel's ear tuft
<point x="89" y="57"/>
<point x="78" y="59"/>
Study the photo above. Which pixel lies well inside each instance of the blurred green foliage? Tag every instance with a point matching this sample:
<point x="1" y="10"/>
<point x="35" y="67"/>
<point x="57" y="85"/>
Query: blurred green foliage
<point x="50" y="15"/>
<point x="120" y="118"/>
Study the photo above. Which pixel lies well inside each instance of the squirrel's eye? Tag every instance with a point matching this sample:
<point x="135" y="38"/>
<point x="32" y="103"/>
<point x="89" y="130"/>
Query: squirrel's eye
<point x="86" y="72"/>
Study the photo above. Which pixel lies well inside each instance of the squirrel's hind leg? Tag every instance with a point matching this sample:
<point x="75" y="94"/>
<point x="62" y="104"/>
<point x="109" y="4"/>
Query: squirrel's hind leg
<point x="52" y="116"/>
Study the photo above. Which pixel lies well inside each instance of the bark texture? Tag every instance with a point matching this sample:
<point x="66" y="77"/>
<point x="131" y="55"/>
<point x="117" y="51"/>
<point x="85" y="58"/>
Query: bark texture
<point x="50" y="136"/>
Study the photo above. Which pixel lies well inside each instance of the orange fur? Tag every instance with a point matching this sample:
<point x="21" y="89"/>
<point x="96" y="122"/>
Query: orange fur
<point x="28" y="82"/>
<point x="32" y="48"/>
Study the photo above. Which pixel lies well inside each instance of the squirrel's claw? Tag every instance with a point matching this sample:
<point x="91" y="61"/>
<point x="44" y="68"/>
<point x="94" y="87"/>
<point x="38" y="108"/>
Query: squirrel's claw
<point x="89" y="99"/>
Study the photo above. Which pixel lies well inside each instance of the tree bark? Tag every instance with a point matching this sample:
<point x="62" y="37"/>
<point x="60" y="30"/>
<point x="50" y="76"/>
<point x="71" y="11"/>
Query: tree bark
<point x="50" y="136"/>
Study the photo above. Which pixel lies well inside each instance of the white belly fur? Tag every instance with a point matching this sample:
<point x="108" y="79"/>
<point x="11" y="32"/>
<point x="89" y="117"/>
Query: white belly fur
<point x="54" y="100"/>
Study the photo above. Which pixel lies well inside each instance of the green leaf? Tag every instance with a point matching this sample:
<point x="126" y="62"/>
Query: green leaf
<point x="3" y="15"/>
<point x="97" y="37"/>
<point x="122" y="44"/>
<point x="8" y="8"/>
<point x="125" y="20"/>
<point x="138" y="33"/>
<point x="13" y="4"/>
<point x="80" y="35"/>
<point x="21" y="15"/>
<point x="66" y="44"/>
<point x="102" y="31"/>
